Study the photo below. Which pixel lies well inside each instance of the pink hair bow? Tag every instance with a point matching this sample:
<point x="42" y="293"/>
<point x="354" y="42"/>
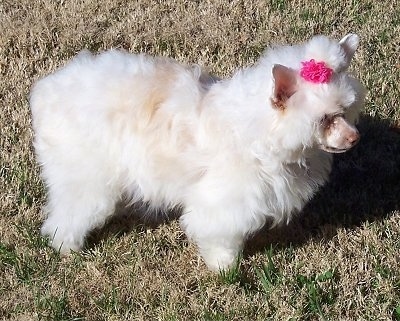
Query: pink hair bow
<point x="315" y="72"/>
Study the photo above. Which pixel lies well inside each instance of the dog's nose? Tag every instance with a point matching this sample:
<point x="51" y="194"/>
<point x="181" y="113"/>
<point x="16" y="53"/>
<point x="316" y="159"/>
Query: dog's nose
<point x="353" y="138"/>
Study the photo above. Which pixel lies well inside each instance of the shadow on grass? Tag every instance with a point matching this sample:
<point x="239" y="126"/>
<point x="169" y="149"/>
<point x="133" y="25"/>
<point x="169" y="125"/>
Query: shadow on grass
<point x="364" y="186"/>
<point x="128" y="218"/>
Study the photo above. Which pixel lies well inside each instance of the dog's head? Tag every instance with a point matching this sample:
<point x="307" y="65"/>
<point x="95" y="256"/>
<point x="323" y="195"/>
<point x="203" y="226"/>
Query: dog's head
<point x="315" y="98"/>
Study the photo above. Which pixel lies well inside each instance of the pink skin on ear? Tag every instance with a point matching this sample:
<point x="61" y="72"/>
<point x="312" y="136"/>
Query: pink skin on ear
<point x="284" y="85"/>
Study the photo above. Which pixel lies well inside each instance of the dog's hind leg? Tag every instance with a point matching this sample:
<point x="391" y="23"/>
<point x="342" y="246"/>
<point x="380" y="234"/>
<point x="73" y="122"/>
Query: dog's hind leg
<point x="75" y="206"/>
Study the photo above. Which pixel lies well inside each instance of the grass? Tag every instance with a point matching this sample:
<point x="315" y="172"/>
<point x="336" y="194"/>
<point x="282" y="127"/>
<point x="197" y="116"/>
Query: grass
<point x="316" y="294"/>
<point x="338" y="260"/>
<point x="268" y="274"/>
<point x="233" y="274"/>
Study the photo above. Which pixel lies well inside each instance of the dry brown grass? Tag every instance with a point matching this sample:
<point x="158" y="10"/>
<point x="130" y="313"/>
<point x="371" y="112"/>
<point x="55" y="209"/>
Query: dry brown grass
<point x="339" y="260"/>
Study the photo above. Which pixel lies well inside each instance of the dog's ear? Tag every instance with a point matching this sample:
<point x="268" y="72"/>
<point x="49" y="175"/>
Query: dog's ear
<point x="285" y="85"/>
<point x="349" y="44"/>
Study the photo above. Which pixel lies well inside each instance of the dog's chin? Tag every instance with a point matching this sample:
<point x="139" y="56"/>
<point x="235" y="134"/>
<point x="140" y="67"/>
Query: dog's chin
<point x="333" y="150"/>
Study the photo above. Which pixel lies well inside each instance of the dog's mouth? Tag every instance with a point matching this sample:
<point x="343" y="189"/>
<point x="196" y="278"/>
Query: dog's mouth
<point x="334" y="150"/>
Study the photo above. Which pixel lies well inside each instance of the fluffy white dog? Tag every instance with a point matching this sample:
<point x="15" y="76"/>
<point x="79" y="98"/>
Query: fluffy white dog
<point x="231" y="153"/>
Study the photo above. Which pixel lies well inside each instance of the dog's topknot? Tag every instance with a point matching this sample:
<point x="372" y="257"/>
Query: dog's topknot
<point x="336" y="55"/>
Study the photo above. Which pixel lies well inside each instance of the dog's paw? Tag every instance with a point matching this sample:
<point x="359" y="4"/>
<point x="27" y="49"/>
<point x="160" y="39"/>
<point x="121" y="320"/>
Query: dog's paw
<point x="219" y="258"/>
<point x="62" y="241"/>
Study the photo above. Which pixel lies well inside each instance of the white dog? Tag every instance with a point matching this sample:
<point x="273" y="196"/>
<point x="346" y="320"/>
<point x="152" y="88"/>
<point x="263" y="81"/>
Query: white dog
<point x="231" y="153"/>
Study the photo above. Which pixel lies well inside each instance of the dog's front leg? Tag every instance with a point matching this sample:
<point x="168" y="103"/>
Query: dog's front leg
<point x="217" y="234"/>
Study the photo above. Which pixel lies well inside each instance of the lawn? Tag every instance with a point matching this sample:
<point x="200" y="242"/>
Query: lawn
<point x="337" y="260"/>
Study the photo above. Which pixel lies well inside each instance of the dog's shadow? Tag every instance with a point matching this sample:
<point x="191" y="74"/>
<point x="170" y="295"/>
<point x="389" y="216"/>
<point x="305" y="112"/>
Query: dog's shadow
<point x="364" y="186"/>
<point x="130" y="217"/>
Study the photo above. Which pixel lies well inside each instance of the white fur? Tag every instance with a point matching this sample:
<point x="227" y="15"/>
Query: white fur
<point x="120" y="125"/>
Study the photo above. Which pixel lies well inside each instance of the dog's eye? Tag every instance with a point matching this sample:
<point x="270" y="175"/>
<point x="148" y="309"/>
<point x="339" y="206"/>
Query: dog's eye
<point x="327" y="121"/>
